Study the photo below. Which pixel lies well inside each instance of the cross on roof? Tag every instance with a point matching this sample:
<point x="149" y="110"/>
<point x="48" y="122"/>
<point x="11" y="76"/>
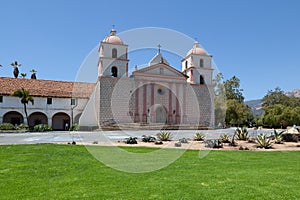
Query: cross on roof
<point x="158" y="48"/>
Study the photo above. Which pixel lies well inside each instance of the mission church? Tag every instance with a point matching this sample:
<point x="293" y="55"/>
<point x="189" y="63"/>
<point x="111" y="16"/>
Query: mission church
<point x="157" y="93"/>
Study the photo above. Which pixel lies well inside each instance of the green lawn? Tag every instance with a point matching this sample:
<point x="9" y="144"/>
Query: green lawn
<point x="70" y="172"/>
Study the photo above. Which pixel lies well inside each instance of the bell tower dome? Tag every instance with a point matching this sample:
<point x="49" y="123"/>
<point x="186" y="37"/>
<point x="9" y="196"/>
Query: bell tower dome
<point x="197" y="64"/>
<point x="113" y="57"/>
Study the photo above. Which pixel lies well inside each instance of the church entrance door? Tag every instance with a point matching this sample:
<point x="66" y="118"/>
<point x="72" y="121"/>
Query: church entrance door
<point x="160" y="115"/>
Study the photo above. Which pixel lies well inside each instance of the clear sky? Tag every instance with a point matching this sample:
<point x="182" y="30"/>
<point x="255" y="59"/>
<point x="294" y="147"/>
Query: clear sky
<point x="256" y="40"/>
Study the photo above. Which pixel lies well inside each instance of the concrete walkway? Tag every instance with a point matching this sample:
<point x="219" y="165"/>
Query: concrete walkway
<point x="104" y="136"/>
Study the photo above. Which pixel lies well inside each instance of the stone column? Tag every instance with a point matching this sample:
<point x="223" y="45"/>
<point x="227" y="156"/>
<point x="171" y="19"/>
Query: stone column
<point x="145" y="102"/>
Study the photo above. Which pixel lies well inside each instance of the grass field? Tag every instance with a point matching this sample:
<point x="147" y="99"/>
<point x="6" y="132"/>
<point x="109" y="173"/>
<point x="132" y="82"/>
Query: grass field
<point x="70" y="172"/>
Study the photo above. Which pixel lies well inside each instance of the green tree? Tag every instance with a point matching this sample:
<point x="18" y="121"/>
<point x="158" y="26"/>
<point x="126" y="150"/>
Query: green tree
<point x="278" y="97"/>
<point x="237" y="113"/>
<point x="219" y="100"/>
<point x="232" y="89"/>
<point x="25" y="98"/>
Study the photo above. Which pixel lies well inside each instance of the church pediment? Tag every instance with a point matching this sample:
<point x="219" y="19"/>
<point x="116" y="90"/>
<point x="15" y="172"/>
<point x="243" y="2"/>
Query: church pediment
<point x="160" y="70"/>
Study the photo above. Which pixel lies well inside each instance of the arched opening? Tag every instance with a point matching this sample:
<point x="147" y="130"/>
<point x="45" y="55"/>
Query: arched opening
<point x="186" y="64"/>
<point x="13" y="117"/>
<point x="201" y="63"/>
<point x="114" y="71"/>
<point x="60" y="121"/>
<point x="160" y="114"/>
<point x="202" y="81"/>
<point x="37" y="118"/>
<point x="114" y="53"/>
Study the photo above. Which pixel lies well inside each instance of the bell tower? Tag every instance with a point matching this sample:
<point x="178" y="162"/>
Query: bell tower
<point x="113" y="57"/>
<point x="197" y="64"/>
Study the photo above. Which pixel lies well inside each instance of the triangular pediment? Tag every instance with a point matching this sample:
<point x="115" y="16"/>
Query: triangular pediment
<point x="160" y="70"/>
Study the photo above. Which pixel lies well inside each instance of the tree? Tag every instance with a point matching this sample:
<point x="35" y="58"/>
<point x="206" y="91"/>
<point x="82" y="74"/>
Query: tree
<point x="232" y="89"/>
<point x="237" y="113"/>
<point x="274" y="97"/>
<point x="15" y="65"/>
<point x="33" y="75"/>
<point x="25" y="98"/>
<point x="219" y="100"/>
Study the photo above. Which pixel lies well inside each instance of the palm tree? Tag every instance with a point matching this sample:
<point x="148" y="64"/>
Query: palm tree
<point x="15" y="65"/>
<point x="25" y="98"/>
<point x="33" y="75"/>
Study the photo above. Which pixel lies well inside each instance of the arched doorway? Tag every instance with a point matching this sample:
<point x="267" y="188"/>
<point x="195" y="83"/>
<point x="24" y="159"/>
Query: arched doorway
<point x="160" y="114"/>
<point x="13" y="117"/>
<point x="37" y="118"/>
<point x="60" y="121"/>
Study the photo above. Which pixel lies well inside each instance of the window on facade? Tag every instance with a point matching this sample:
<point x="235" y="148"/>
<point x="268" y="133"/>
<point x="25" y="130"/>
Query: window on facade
<point x="73" y="101"/>
<point x="201" y="63"/>
<point x="114" y="71"/>
<point x="1" y="99"/>
<point x="49" y="101"/>
<point x="202" y="81"/>
<point x="186" y="64"/>
<point x="114" y="53"/>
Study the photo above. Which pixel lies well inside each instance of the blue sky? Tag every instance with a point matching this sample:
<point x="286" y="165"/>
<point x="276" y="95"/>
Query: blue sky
<point x="257" y="41"/>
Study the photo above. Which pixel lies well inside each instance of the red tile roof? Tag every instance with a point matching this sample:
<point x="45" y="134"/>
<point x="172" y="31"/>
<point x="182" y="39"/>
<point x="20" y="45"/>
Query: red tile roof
<point x="47" y="88"/>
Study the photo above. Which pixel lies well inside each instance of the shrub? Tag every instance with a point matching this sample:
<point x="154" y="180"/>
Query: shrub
<point x="42" y="128"/>
<point x="263" y="141"/>
<point x="225" y="138"/>
<point x="74" y="127"/>
<point x="199" y="137"/>
<point x="131" y="140"/>
<point x="149" y="138"/>
<point x="213" y="144"/>
<point x="7" y="126"/>
<point x="164" y="136"/>
<point x="178" y="144"/>
<point x="241" y="134"/>
<point x="22" y="127"/>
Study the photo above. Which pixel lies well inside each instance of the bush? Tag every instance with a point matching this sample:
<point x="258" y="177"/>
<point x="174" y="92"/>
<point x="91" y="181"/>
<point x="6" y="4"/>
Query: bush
<point x="263" y="141"/>
<point x="225" y="138"/>
<point x="7" y="126"/>
<point x="199" y="137"/>
<point x="42" y="128"/>
<point x="131" y="140"/>
<point x="164" y="136"/>
<point x="213" y="144"/>
<point x="241" y="134"/>
<point x="23" y="127"/>
<point x="149" y="138"/>
<point x="158" y="142"/>
<point x="74" y="127"/>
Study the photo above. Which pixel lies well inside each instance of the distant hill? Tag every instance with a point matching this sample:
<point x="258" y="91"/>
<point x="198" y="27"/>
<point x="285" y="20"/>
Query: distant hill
<point x="256" y="106"/>
<point x="293" y="93"/>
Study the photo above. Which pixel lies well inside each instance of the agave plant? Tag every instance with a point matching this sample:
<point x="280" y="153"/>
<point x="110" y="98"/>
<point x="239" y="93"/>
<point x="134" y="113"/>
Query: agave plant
<point x="199" y="137"/>
<point x="241" y="134"/>
<point x="164" y="136"/>
<point x="23" y="75"/>
<point x="149" y="138"/>
<point x="225" y="138"/>
<point x="277" y="137"/>
<point x="263" y="141"/>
